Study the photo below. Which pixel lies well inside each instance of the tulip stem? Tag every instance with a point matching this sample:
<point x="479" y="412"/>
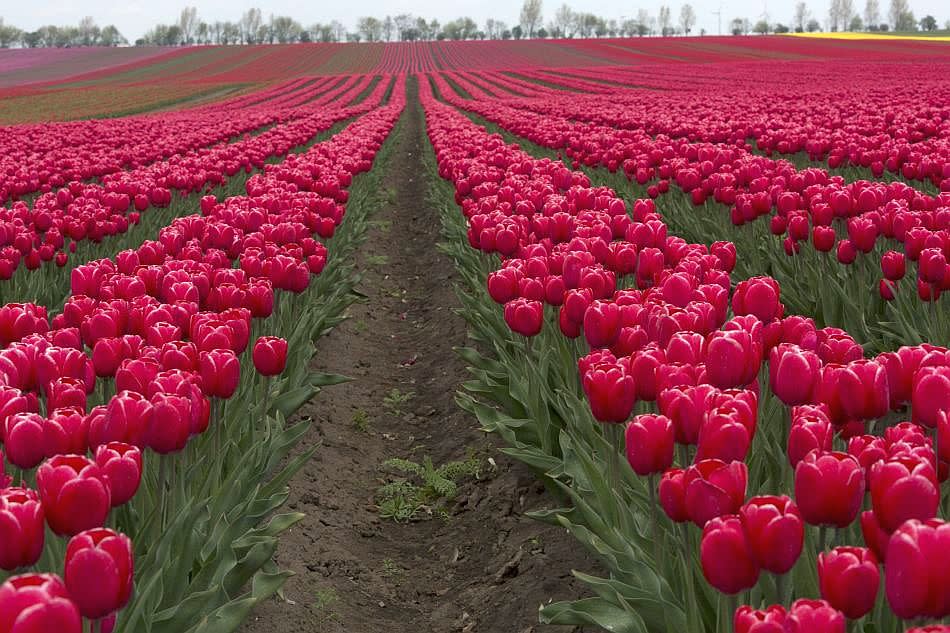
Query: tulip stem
<point x="683" y="451"/>
<point x="162" y="496"/>
<point x="655" y="523"/>
<point x="822" y="538"/>
<point x="691" y="608"/>
<point x="781" y="587"/>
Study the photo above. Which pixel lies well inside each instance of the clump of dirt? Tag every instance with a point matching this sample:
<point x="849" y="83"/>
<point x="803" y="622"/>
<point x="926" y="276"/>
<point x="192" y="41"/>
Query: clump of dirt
<point x="478" y="564"/>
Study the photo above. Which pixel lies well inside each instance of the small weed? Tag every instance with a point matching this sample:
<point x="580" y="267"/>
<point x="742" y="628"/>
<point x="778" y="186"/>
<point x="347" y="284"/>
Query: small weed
<point x="360" y="326"/>
<point x="382" y="225"/>
<point x="391" y="568"/>
<point x="396" y="400"/>
<point x="325" y="602"/>
<point x="391" y="195"/>
<point x="426" y="488"/>
<point x="361" y="421"/>
<point x="376" y="260"/>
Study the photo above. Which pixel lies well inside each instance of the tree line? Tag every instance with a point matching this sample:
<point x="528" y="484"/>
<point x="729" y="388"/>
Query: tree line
<point x="565" y="22"/>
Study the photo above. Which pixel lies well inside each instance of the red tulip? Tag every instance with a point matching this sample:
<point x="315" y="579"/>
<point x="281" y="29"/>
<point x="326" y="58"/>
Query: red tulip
<point x="775" y="531"/>
<point x="75" y="494"/>
<point x="22" y="528"/>
<point x="98" y="571"/>
<point x="37" y="603"/>
<point x="649" y="443"/>
<point x="672" y="492"/>
<point x="220" y="372"/>
<point x="915" y="575"/>
<point x="726" y="556"/>
<point x="713" y="488"/>
<point x="893" y="265"/>
<point x="170" y="424"/>
<point x="610" y="392"/>
<point x="829" y="488"/>
<point x="810" y="430"/>
<point x="749" y="620"/>
<point x="758" y="296"/>
<point x="524" y="317"/>
<point x="931" y="394"/>
<point x="814" y="616"/>
<point x="849" y="579"/>
<point x="793" y="374"/>
<point x="270" y="355"/>
<point x="903" y="488"/>
<point x="733" y="359"/>
<point x="686" y="407"/>
<point x="725" y="435"/>
<point x="122" y="466"/>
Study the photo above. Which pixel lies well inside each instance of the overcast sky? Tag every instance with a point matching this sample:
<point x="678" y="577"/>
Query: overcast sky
<point x="134" y="17"/>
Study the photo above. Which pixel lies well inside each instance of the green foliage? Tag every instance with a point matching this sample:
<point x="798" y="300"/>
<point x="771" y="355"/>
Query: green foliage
<point x="425" y="487"/>
<point x="361" y="421"/>
<point x="396" y="399"/>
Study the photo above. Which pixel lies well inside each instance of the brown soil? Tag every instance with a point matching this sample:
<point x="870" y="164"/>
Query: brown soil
<point x="487" y="567"/>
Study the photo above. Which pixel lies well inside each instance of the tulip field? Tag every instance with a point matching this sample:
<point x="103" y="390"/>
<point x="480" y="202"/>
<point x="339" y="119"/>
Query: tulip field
<point x="706" y="283"/>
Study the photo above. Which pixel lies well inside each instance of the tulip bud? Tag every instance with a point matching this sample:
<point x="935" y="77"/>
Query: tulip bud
<point x="98" y="571"/>
<point x="270" y="355"/>
<point x="893" y="265"/>
<point x="37" y="603"/>
<point x="672" y="493"/>
<point x="74" y="492"/>
<point x="915" y="571"/>
<point x="610" y="392"/>
<point x="931" y="394"/>
<point x="726" y="557"/>
<point x="733" y="359"/>
<point x="758" y="296"/>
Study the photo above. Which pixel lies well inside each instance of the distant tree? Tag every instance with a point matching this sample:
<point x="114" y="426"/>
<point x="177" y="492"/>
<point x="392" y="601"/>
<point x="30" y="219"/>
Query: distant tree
<point x="31" y="39"/>
<point x="250" y="24"/>
<point x="494" y="28"/>
<point x="285" y="29"/>
<point x="231" y="33"/>
<point x="801" y="15"/>
<point x="516" y="32"/>
<point x="542" y="33"/>
<point x="872" y="13"/>
<point x="813" y="26"/>
<point x="9" y="35"/>
<point x="928" y="23"/>
<point x="665" y="20"/>
<point x="735" y="26"/>
<point x="530" y="17"/>
<point x="188" y="24"/>
<point x="565" y="21"/>
<point x="110" y="36"/>
<point x="761" y="27"/>
<point x="902" y="18"/>
<point x="884" y="27"/>
<point x="780" y="28"/>
<point x="87" y="33"/>
<point x="369" y="28"/>
<point x="856" y="24"/>
<point x="645" y="22"/>
<point x="687" y="18"/>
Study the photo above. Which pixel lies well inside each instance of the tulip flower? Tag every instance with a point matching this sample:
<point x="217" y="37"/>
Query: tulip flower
<point x="610" y="392"/>
<point x="810" y="430"/>
<point x="524" y="317"/>
<point x="793" y="374"/>
<point x="22" y="528"/>
<point x="775" y="532"/>
<point x="726" y="556"/>
<point x="75" y="494"/>
<point x="170" y="424"/>
<point x="903" y="488"/>
<point x="37" y="603"/>
<point x="724" y="435"/>
<point x="98" y="571"/>
<point x="893" y="266"/>
<point x="122" y="466"/>
<point x="915" y="572"/>
<point x="649" y="444"/>
<point x="672" y="492"/>
<point x="931" y="394"/>
<point x="749" y="620"/>
<point x="732" y="359"/>
<point x="758" y="296"/>
<point x="713" y="488"/>
<point x="849" y="579"/>
<point x="270" y="355"/>
<point x="814" y="616"/>
<point x="220" y="372"/>
<point x="829" y="488"/>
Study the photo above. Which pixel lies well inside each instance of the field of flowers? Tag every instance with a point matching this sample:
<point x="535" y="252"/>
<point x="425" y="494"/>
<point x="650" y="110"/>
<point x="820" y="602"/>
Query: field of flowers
<point x="706" y="281"/>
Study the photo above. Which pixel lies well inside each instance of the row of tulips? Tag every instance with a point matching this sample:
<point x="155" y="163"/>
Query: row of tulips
<point x="810" y="205"/>
<point x="85" y="214"/>
<point x="131" y="408"/>
<point x="757" y="403"/>
<point x="39" y="158"/>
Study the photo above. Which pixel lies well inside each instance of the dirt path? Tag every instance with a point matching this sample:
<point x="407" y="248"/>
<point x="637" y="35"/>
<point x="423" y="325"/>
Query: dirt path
<point x="484" y="567"/>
